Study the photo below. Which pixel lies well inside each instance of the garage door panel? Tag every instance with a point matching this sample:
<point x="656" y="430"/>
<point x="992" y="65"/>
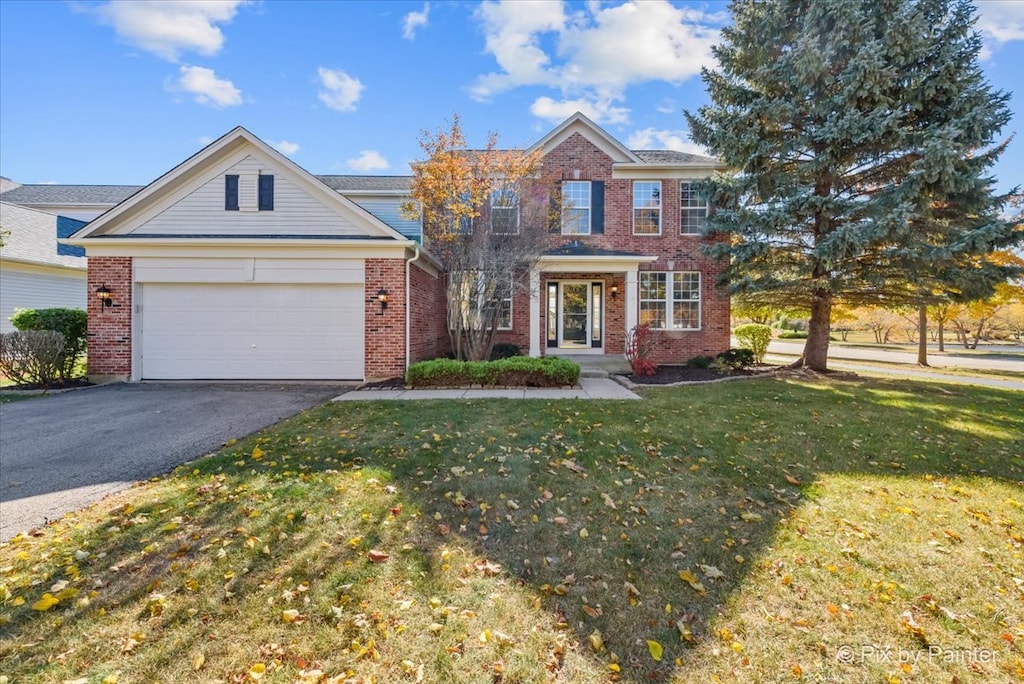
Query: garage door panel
<point x="251" y="331"/>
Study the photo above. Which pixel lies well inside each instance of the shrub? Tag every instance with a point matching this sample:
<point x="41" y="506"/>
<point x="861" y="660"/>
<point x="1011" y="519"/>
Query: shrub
<point x="793" y="335"/>
<point x="736" y="358"/>
<point x="505" y="350"/>
<point x="700" y="362"/>
<point x="754" y="337"/>
<point x="32" y="356"/>
<point x="639" y="345"/>
<point x="515" y="371"/>
<point x="73" y="324"/>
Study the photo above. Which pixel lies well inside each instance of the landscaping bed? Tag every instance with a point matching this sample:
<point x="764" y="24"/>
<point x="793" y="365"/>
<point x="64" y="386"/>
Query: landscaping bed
<point x="668" y="375"/>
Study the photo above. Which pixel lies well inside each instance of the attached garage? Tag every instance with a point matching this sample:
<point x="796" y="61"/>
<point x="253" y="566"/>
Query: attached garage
<point x="252" y="331"/>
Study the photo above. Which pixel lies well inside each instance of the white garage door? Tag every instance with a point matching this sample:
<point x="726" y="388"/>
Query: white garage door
<point x="251" y="331"/>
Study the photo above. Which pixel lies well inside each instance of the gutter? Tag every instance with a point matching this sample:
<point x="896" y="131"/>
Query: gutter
<point x="408" y="302"/>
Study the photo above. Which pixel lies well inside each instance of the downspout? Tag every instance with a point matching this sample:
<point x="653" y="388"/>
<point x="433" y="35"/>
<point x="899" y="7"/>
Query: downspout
<point x="408" y="303"/>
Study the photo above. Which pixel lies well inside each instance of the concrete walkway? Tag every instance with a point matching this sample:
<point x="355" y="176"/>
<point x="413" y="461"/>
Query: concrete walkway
<point x="590" y="388"/>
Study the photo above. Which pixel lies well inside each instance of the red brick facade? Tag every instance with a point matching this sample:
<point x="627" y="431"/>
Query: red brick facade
<point x="428" y="338"/>
<point x="110" y="327"/>
<point x="385" y="330"/>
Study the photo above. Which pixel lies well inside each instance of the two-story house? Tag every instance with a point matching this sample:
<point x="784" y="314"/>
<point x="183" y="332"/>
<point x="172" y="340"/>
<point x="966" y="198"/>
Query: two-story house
<point x="239" y="264"/>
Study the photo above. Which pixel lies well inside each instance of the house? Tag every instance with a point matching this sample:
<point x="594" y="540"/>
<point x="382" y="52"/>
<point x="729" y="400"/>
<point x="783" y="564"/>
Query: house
<point x="239" y="264"/>
<point x="36" y="272"/>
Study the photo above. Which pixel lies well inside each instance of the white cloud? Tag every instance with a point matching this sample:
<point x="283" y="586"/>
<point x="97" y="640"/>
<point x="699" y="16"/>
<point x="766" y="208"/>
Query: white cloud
<point x="368" y="160"/>
<point x="600" y="110"/>
<point x="339" y="91"/>
<point x="414" y="20"/>
<point x="1000" y="21"/>
<point x="663" y="139"/>
<point x="601" y="50"/>
<point x="205" y="140"/>
<point x="285" y="147"/>
<point x="168" y="27"/>
<point x="207" y="89"/>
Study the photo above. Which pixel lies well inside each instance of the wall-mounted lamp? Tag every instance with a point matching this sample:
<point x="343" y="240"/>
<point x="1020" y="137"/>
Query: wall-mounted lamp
<point x="614" y="291"/>
<point x="382" y="297"/>
<point x="105" y="295"/>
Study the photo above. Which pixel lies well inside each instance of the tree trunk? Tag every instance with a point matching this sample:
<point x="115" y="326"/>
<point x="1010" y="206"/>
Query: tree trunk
<point x="922" y="336"/>
<point x="816" y="348"/>
<point x="942" y="342"/>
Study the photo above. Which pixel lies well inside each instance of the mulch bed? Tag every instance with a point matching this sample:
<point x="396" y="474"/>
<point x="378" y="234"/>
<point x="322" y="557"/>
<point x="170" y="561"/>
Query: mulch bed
<point x="79" y="382"/>
<point x="667" y="375"/>
<point x="390" y="383"/>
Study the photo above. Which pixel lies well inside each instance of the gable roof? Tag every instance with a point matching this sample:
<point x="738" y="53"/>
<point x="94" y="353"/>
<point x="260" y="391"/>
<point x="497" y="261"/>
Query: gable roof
<point x="228" y="144"/>
<point x="664" y="157"/>
<point x="578" y="123"/>
<point x="32" y="238"/>
<point x="392" y="185"/>
<point x="75" y="195"/>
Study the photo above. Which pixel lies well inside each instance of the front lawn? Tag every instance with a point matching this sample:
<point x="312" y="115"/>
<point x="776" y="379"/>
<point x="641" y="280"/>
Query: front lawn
<point x="764" y="530"/>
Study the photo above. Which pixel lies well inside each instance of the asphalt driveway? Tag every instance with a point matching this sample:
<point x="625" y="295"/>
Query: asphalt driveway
<point x="63" y="452"/>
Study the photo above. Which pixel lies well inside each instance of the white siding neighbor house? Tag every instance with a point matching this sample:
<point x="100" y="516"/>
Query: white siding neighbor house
<point x="33" y="275"/>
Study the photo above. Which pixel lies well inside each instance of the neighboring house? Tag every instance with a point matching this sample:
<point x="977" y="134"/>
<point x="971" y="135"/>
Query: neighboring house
<point x="36" y="272"/>
<point x="239" y="264"/>
<point x="82" y="202"/>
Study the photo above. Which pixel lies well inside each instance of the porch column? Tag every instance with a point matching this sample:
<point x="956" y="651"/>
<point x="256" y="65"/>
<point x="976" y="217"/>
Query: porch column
<point x="632" y="299"/>
<point x="534" y="312"/>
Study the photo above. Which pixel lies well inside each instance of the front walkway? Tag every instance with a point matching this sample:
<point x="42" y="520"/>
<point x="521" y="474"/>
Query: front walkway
<point x="590" y="388"/>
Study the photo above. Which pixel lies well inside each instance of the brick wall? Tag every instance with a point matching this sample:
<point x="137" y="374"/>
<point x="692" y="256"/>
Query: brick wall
<point x="428" y="338"/>
<point x="110" y="328"/>
<point x="385" y="334"/>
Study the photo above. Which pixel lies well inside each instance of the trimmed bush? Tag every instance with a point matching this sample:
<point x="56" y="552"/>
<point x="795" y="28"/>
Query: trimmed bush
<point x="505" y="350"/>
<point x="32" y="357"/>
<point x="755" y="337"/>
<point x="700" y="362"/>
<point x="73" y="324"/>
<point x="793" y="335"/>
<point x="518" y="371"/>
<point x="736" y="359"/>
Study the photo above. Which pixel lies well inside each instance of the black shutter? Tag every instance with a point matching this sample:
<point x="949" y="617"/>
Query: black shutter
<point x="231" y="193"/>
<point x="597" y="207"/>
<point x="266" y="193"/>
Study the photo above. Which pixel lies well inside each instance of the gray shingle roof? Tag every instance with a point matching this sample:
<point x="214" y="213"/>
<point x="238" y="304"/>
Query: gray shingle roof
<point x="33" y="238"/>
<point x="577" y="248"/>
<point x="356" y="184"/>
<point x="672" y="157"/>
<point x="105" y="195"/>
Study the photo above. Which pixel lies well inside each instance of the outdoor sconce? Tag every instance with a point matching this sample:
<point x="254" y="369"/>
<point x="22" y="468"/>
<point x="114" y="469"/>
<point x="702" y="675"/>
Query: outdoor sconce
<point x="614" y="291"/>
<point x="382" y="297"/>
<point x="105" y="295"/>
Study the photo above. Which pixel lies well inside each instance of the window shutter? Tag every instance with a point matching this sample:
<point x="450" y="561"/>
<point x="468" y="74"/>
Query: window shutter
<point x="266" y="190"/>
<point x="231" y="193"/>
<point x="555" y="217"/>
<point x="596" y="207"/>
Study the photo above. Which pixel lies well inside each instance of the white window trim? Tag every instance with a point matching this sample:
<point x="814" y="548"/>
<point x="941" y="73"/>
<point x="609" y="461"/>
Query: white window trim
<point x="669" y="300"/>
<point x="660" y="208"/>
<point x="589" y="208"/>
<point x="683" y="209"/>
<point x="511" y="311"/>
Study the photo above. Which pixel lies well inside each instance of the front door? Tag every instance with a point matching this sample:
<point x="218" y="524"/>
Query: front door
<point x="575" y="312"/>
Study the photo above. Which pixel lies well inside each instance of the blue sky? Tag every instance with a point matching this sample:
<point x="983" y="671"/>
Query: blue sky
<point x="121" y="92"/>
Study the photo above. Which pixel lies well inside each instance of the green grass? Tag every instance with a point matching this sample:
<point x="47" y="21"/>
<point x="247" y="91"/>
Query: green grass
<point x="9" y="397"/>
<point x="541" y="540"/>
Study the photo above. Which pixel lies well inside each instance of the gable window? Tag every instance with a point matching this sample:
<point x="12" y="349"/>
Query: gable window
<point x="504" y="212"/>
<point x="670" y="300"/>
<point x="647" y="207"/>
<point x="693" y="213"/>
<point x="231" y="193"/>
<point x="576" y="208"/>
<point x="266" y="193"/>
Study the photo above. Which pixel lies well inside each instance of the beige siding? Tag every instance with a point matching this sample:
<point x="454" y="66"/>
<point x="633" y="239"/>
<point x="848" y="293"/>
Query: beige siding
<point x="240" y="270"/>
<point x="36" y="290"/>
<point x="296" y="212"/>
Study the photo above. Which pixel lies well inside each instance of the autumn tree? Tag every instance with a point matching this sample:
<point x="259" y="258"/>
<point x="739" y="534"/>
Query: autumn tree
<point x="485" y="214"/>
<point x="860" y="135"/>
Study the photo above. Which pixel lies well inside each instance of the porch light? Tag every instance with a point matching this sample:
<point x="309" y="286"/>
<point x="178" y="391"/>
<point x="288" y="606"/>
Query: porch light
<point x="382" y="297"/>
<point x="105" y="296"/>
<point x="614" y="291"/>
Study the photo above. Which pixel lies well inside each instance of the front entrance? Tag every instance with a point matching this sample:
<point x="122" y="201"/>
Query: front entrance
<point x="575" y="315"/>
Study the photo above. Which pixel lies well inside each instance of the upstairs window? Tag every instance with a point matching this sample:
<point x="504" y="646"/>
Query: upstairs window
<point x="693" y="213"/>
<point x="647" y="207"/>
<point x="504" y="212"/>
<point x="575" y="207"/>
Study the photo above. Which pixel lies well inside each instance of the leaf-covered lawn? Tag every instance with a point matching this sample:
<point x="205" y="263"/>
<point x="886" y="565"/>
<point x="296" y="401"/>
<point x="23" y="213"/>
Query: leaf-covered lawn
<point x="769" y="530"/>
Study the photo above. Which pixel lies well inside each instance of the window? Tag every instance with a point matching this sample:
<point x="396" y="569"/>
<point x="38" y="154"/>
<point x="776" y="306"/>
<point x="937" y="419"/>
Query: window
<point x="266" y="193"/>
<point x="670" y="301"/>
<point x="480" y="294"/>
<point x="646" y="207"/>
<point x="504" y="212"/>
<point x="231" y="193"/>
<point x="576" y="208"/>
<point x="693" y="214"/>
<point x="504" y="316"/>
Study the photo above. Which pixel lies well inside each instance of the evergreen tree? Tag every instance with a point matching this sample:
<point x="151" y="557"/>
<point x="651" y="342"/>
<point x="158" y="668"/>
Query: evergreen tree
<point x="860" y="133"/>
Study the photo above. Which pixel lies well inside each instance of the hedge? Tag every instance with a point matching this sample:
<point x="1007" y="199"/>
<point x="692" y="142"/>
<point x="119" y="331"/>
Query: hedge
<point x="73" y="324"/>
<point x="519" y="371"/>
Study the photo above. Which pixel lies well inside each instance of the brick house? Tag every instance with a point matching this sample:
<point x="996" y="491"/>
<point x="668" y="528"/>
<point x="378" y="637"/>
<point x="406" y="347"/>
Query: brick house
<point x="239" y="264"/>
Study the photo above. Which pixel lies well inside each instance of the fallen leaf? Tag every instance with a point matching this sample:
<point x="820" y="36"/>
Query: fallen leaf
<point x="793" y="481"/>
<point x="47" y="602"/>
<point x="596" y="641"/>
<point x="655" y="648"/>
<point x="377" y="556"/>
<point x="692" y="580"/>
